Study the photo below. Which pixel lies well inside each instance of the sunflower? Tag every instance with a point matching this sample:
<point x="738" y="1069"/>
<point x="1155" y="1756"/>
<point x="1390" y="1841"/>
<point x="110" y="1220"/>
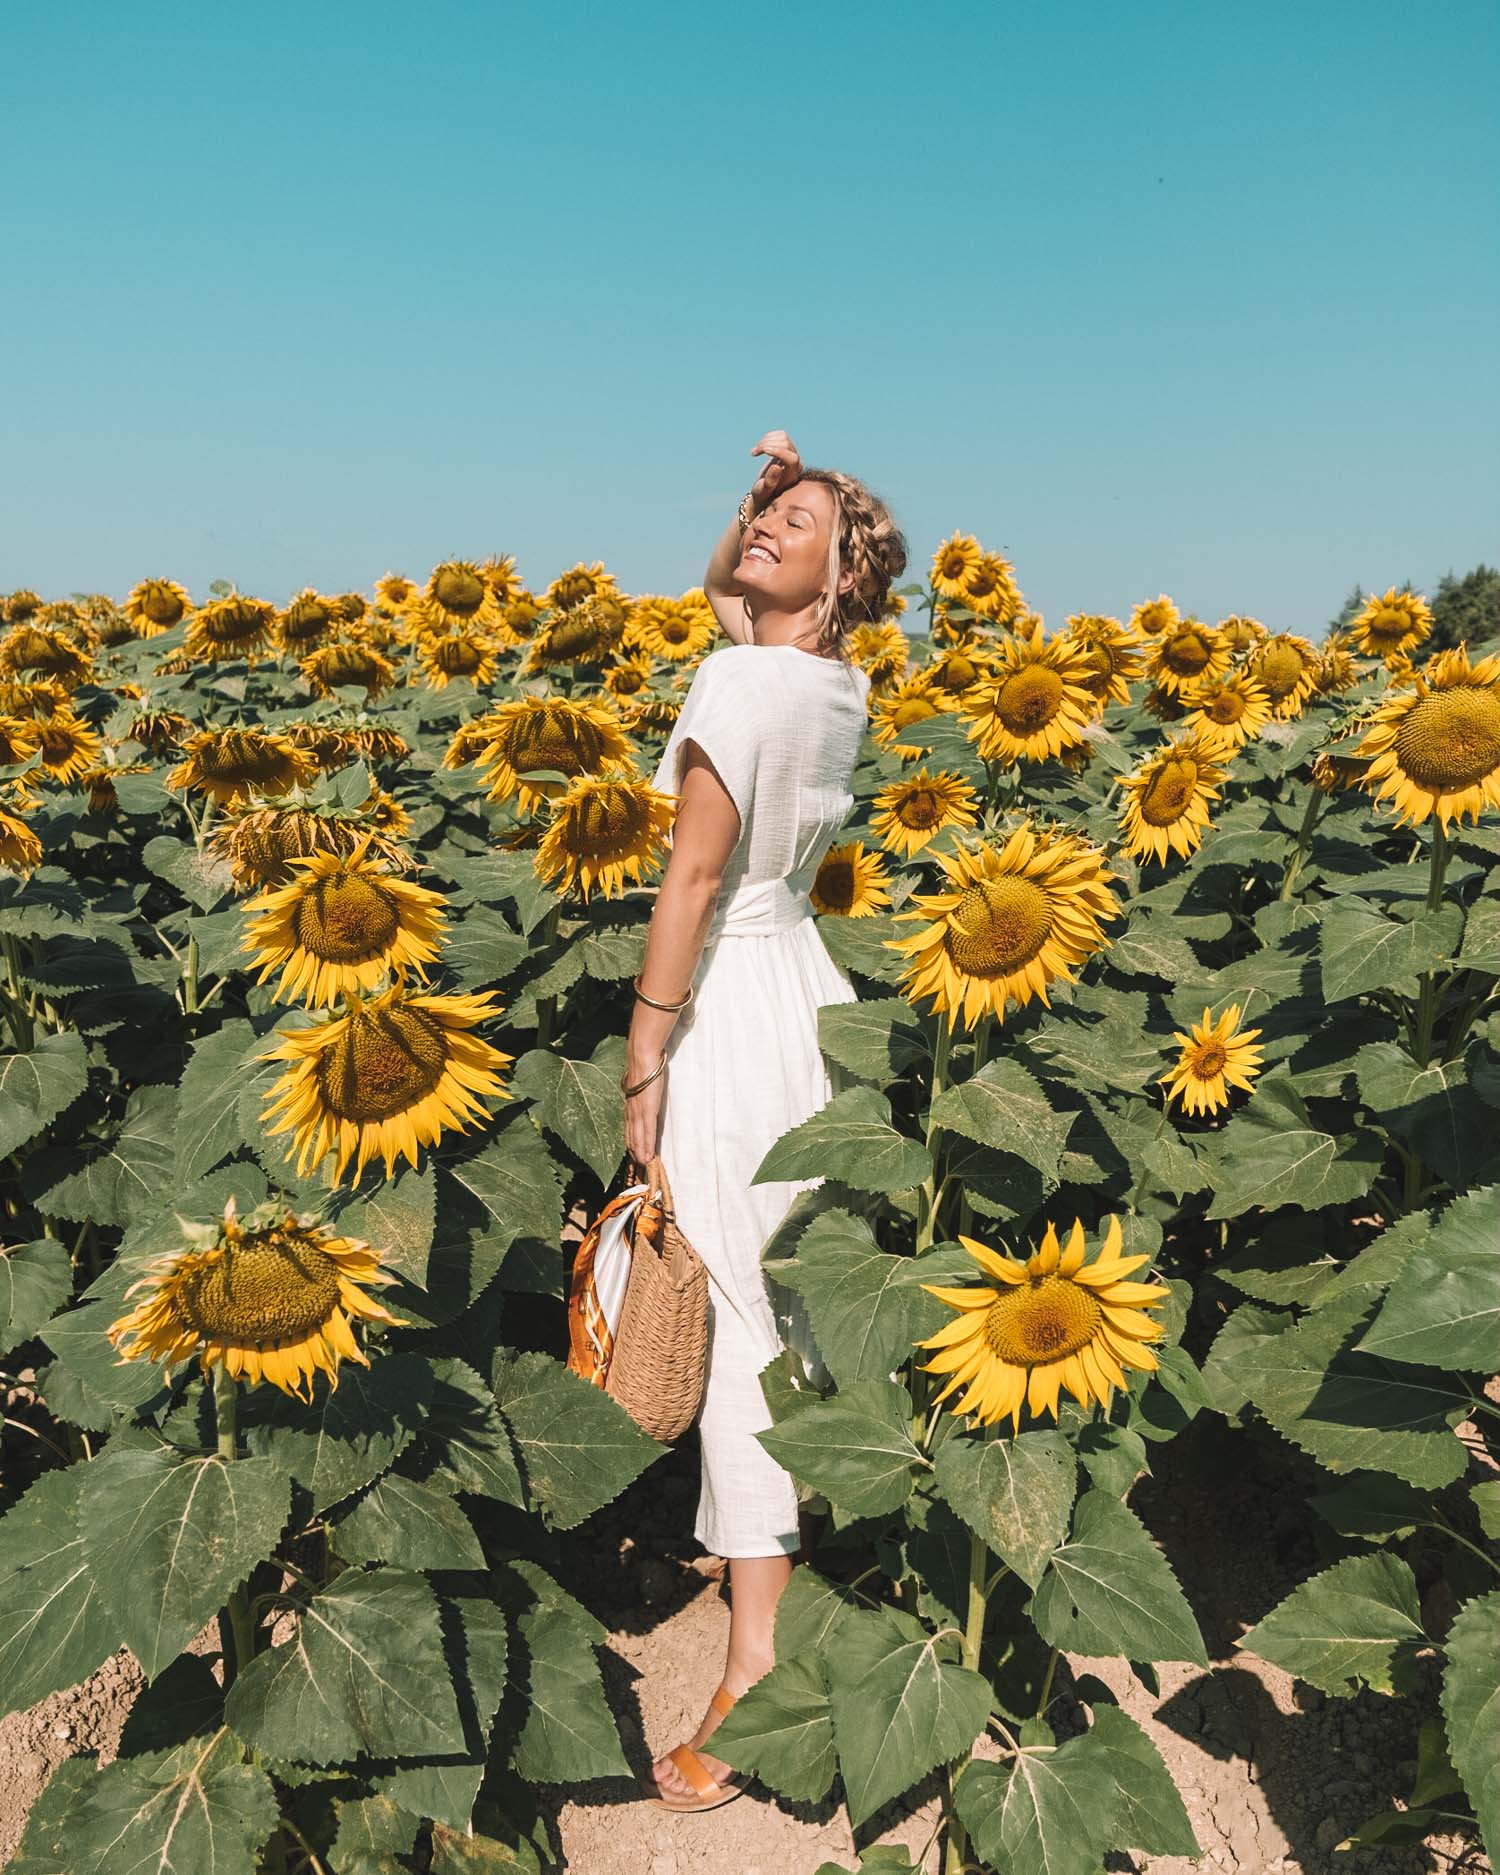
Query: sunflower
<point x="231" y="764"/>
<point x="20" y="849"/>
<point x="954" y="565"/>
<point x="379" y="743"/>
<point x="1111" y="652"/>
<point x="386" y="1077"/>
<point x="1241" y="633"/>
<point x="161" y="731"/>
<point x="589" y="633"/>
<point x="628" y="676"/>
<point x="348" y="661"/>
<point x="1011" y="921"/>
<point x="19" y="740"/>
<point x="501" y="577"/>
<point x="46" y="652"/>
<point x="68" y="746"/>
<point x="456" y="597"/>
<point x="1434" y="747"/>
<point x="1164" y="705"/>
<point x="305" y="623"/>
<point x="21" y="605"/>
<point x="992" y="590"/>
<point x="1395" y="622"/>
<point x="341" y="924"/>
<point x="1337" y="669"/>
<point x="580" y="582"/>
<point x="955" y="669"/>
<point x="909" y="813"/>
<point x="850" y="883"/>
<point x="1228" y="711"/>
<point x="261" y="843"/>
<point x="1166" y="800"/>
<point x="1054" y="1321"/>
<point x="575" y="736"/>
<point x="156" y="605"/>
<point x="327" y="745"/>
<point x="1152" y="617"/>
<point x="907" y="704"/>
<point x="112" y="627"/>
<point x="270" y="1299"/>
<point x="234" y="627"/>
<point x="349" y="608"/>
<point x="654" y="715"/>
<point x="956" y="623"/>
<point x="469" y="741"/>
<point x="460" y="654"/>
<point x="1214" y="1057"/>
<point x="386" y="814"/>
<point x="881" y="651"/>
<point x="396" y="592"/>
<point x="604" y="829"/>
<point x="1286" y="667"/>
<point x="1337" y="774"/>
<point x="1035" y="705"/>
<point x="1185" y="654"/>
<point x="518" y="619"/>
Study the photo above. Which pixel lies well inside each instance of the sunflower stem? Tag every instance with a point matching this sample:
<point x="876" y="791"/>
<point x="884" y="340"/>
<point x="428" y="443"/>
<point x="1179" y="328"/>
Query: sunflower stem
<point x="919" y="1387"/>
<point x="20" y="1011"/>
<point x="1427" y="997"/>
<point x="1046" y="1694"/>
<point x="240" y="1649"/>
<point x="546" y="1008"/>
<point x="958" y="1837"/>
<point x="1316" y="801"/>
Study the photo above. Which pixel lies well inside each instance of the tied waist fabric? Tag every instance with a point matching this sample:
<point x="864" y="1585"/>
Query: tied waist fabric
<point x="760" y="909"/>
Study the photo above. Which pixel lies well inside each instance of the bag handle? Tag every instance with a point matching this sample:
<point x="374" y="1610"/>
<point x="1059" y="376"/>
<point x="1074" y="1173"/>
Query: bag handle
<point x="654" y="1176"/>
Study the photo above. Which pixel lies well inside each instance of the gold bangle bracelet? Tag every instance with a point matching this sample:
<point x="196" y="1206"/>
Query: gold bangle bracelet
<point x="628" y="1090"/>
<point x="657" y="1005"/>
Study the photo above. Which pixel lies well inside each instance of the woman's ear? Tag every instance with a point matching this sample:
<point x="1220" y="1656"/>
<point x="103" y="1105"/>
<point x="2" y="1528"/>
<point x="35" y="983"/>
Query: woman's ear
<point x="846" y="581"/>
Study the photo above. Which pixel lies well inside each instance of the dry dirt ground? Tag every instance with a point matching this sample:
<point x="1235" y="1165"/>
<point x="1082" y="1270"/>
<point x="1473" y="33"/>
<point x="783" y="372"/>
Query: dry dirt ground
<point x="1273" y="1774"/>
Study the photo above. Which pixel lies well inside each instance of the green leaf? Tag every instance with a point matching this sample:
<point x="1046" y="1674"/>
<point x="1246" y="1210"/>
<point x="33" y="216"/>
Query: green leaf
<point x="88" y="1383"/>
<point x="349" y="1434"/>
<point x="1471" y="1707"/>
<point x="1149" y="947"/>
<point x="1487" y="1508"/>
<point x="1113" y="1456"/>
<point x="199" y="1809"/>
<point x="851" y="1139"/>
<point x="1362" y="949"/>
<point x="782" y="1728"/>
<point x="1004" y="1107"/>
<point x="506" y="1193"/>
<point x="579" y="1101"/>
<point x="1373" y="1507"/>
<point x="858" y="944"/>
<point x="482" y="951"/>
<point x="1109" y="1591"/>
<point x="1481" y="946"/>
<point x="855" y="1447"/>
<point x="126" y="1183"/>
<point x="1148" y="1812"/>
<point x="463" y="1444"/>
<point x="1431" y="1110"/>
<point x="1046" y="1812"/>
<point x="1443" y="1309"/>
<point x="373" y="1833"/>
<point x="210" y="1125"/>
<point x="569" y="1733"/>
<point x="37" y="1086"/>
<point x="876" y="1039"/>
<point x="1349" y="1623"/>
<point x="411" y="1525"/>
<point x="358" y="1677"/>
<point x="35" y="1280"/>
<point x="898" y="1709"/>
<point x="477" y="1658"/>
<point x="1272" y="1154"/>
<point x="202" y="878"/>
<point x="579" y="1447"/>
<point x="168" y="1537"/>
<point x="1016" y="1493"/>
<point x="397" y="1220"/>
<point x="55" y="1627"/>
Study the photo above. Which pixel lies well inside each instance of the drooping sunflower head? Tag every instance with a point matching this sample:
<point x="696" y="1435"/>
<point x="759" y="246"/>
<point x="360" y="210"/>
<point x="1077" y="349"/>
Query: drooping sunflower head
<point x="39" y="651"/>
<point x="1152" y="617"/>
<point x="628" y="676"/>
<point x="1111" y="654"/>
<point x="387" y="1077"/>
<point x="233" y="627"/>
<point x="501" y="577"/>
<point x="156" y="605"/>
<point x="261" y="843"/>
<point x="1241" y="633"/>
<point x="992" y="590"/>
<point x="1433" y="746"/>
<point x="232" y="764"/>
<point x="1394" y="622"/>
<point x="519" y="618"/>
<point x="1334" y="773"/>
<point x="653" y="715"/>
<point x="348" y="661"/>
<point x="1215" y="1056"/>
<point x="305" y="623"/>
<point x="1052" y="1321"/>
<point x="163" y="732"/>
<point x="271" y="1299"/>
<point x="469" y="741"/>
<point x="341" y="924"/>
<point x="574" y="736"/>
<point x="1228" y="711"/>
<point x="457" y="595"/>
<point x="20" y="849"/>
<point x="21" y="605"/>
<point x="902" y="708"/>
<point x="955" y="669"/>
<point x="1165" y="705"/>
<point x="464" y="654"/>
<point x="850" y="883"/>
<point x="1011" y="920"/>
<point x="604" y="829"/>
<point x="1167" y="798"/>
<point x="578" y="583"/>
<point x="589" y="633"/>
<point x="19" y="740"/>
<point x="955" y="564"/>
<point x="882" y="651"/>
<point x="1036" y="704"/>
<point x="1337" y="669"/>
<point x="1286" y="668"/>
<point x="908" y="814"/>
<point x="378" y="743"/>
<point x="1186" y="654"/>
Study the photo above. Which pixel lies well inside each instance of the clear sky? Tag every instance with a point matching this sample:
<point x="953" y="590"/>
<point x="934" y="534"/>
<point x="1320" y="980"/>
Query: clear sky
<point x="1201" y="299"/>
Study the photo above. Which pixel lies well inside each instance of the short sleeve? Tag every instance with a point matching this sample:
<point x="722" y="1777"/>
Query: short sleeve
<point x="717" y="714"/>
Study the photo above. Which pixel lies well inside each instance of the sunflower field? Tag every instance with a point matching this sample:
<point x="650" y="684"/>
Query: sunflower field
<point x="1172" y="1090"/>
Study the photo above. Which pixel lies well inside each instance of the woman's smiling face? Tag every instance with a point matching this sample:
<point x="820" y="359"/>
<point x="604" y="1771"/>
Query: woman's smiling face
<point x="784" y="558"/>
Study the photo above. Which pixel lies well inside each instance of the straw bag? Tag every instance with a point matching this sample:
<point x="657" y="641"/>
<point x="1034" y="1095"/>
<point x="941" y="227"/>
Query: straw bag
<point x="638" y="1309"/>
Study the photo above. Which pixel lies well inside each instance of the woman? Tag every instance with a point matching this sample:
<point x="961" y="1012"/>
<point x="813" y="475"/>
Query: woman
<point x="760" y="758"/>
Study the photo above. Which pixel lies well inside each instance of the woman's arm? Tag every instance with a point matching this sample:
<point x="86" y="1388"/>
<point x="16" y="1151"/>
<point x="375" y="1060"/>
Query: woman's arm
<point x="723" y="594"/>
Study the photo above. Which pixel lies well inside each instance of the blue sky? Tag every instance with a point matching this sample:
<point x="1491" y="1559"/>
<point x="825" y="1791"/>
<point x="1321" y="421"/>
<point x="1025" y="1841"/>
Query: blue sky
<point x="1150" y="297"/>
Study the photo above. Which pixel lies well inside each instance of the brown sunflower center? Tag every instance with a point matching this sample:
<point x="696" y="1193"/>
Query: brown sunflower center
<point x="458" y="656"/>
<point x="913" y="710"/>
<point x="346" y="918"/>
<point x="997" y="926"/>
<point x="229" y="623"/>
<point x="1390" y="629"/>
<point x="958" y="672"/>
<point x="161" y="605"/>
<point x="1451" y="738"/>
<point x="241" y="758"/>
<point x="458" y="589"/>
<point x="1046" y="1318"/>
<point x="605" y="823"/>
<point x="954" y="563"/>
<point x="627" y="680"/>
<point x="1167" y="796"/>
<point x="1186" y="653"/>
<point x="920" y="810"/>
<point x="836" y="885"/>
<point x="676" y="631"/>
<point x="272" y="1286"/>
<point x="1280" y="670"/>
<point x="386" y="1061"/>
<point x="1226" y="708"/>
<point x="1208" y="1059"/>
<point x="543" y="740"/>
<point x="1028" y="701"/>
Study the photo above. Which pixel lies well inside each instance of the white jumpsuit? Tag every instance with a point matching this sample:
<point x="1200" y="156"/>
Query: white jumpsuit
<point x="782" y="728"/>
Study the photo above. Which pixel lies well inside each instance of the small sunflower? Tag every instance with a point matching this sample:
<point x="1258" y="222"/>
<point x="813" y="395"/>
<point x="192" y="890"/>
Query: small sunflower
<point x="628" y="676"/>
<point x="156" y="605"/>
<point x="1167" y="799"/>
<point x="341" y="924"/>
<point x="1228" y="711"/>
<point x="1186" y="654"/>
<point x="21" y="605"/>
<point x="43" y="652"/>
<point x="235" y="627"/>
<point x="662" y="627"/>
<point x="20" y="739"/>
<point x="882" y="651"/>
<point x="348" y="661"/>
<point x="1053" y="1321"/>
<point x="1164" y="705"/>
<point x="1035" y="705"/>
<point x="388" y="1076"/>
<point x="1241" y="633"/>
<point x="1337" y="774"/>
<point x="954" y="565"/>
<point x="305" y="623"/>
<point x="909" y="813"/>
<point x="1337" y="670"/>
<point x="1011" y="920"/>
<point x="271" y="1299"/>
<point x="1112" y="653"/>
<point x="1395" y="622"/>
<point x="396" y="592"/>
<point x="68" y="746"/>
<point x="1286" y="667"/>
<point x="519" y="617"/>
<point x="1152" y="617"/>
<point x="501" y="577"/>
<point x="909" y="703"/>
<point x="327" y="745"/>
<point x="231" y="764"/>
<point x="850" y="883"/>
<point x="1214" y="1057"/>
<point x="261" y="843"/>
<point x="579" y="583"/>
<point x="604" y="829"/>
<point x="955" y="669"/>
<point x="469" y="741"/>
<point x="350" y="608"/>
<point x="459" y="654"/>
<point x="574" y="736"/>
<point x="589" y="633"/>
<point x="992" y="590"/>
<point x="1433" y="747"/>
<point x="20" y="849"/>
<point x="456" y="597"/>
<point x="163" y="732"/>
<point x="386" y="814"/>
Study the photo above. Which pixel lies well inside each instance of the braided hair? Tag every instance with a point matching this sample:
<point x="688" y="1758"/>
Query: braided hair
<point x="865" y="542"/>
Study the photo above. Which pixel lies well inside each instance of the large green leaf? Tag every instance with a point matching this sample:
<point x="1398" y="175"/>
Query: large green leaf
<point x="1046" y="1812"/>
<point x="1348" y="1623"/>
<point x="782" y="1728"/>
<point x="35" y="1280"/>
<point x="579" y="1447"/>
<point x="397" y="1220"/>
<point x="1149" y="1814"/>
<point x="129" y="1180"/>
<point x="374" y="1835"/>
<point x="477" y="1658"/>
<point x="859" y="944"/>
<point x="851" y="1139"/>
<point x="1431" y="1110"/>
<point x="580" y="1101"/>
<point x="1016" y="1493"/>
<point x="1003" y="1106"/>
<point x="1109" y="1591"/>
<point x="88" y="1383"/>
<point x="210" y="1124"/>
<point x="876" y="1038"/>
<point x="1363" y="949"/>
<point x="1272" y="1154"/>
<point x="55" y="1626"/>
<point x="1471" y="1706"/>
<point x="487" y="1202"/>
<point x="463" y="1444"/>
<point x="203" y="878"/>
<point x="898" y="1708"/>
<point x="569" y="1732"/>
<point x="357" y="1677"/>
<point x="1443" y="1310"/>
<point x="168" y="1537"/>
<point x="35" y="1087"/>
<point x="411" y="1525"/>
<point x="349" y="1434"/>
<point x="855" y="1447"/>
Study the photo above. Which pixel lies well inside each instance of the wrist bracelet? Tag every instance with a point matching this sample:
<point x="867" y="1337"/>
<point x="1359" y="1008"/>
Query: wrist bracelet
<point x="655" y="1004"/>
<point x="747" y="502"/>
<point x="628" y="1090"/>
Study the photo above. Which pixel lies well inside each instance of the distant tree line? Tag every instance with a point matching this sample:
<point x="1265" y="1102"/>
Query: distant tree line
<point x="1463" y="610"/>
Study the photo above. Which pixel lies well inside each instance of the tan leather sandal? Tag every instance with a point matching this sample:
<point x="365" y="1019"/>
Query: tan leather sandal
<point x="710" y="1792"/>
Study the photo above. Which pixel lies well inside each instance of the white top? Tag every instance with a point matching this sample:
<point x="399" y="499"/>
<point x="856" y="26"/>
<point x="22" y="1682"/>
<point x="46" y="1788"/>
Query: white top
<point x="782" y="728"/>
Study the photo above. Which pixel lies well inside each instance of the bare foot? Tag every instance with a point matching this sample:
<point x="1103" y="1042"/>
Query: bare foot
<point x="667" y="1775"/>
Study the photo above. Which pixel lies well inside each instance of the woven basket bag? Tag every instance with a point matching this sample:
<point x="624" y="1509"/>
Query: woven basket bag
<point x="657" y="1367"/>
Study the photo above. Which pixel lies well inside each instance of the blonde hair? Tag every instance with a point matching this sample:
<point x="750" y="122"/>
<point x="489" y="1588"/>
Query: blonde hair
<point x="865" y="542"/>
